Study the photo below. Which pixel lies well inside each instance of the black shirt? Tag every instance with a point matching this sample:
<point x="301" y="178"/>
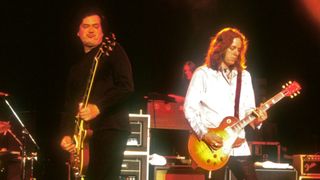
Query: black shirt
<point x="111" y="89"/>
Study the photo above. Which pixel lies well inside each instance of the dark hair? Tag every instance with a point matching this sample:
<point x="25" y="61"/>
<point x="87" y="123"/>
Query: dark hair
<point x="219" y="44"/>
<point x="191" y="65"/>
<point x="88" y="10"/>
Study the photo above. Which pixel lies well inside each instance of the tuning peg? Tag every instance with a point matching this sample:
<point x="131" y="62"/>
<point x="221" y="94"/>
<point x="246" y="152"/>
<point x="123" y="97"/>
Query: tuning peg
<point x="295" y="94"/>
<point x="291" y="96"/>
<point x="283" y="86"/>
<point x="298" y="92"/>
<point x="290" y="82"/>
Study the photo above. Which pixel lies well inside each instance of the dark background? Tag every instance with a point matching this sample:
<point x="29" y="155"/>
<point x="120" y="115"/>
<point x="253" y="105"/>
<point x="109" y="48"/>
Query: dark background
<point x="38" y="43"/>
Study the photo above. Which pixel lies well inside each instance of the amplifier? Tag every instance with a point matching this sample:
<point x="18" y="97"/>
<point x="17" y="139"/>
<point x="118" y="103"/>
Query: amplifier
<point x="135" y="164"/>
<point x="274" y="174"/>
<point x="134" y="167"/>
<point x="307" y="165"/>
<point x="139" y="138"/>
<point x="309" y="177"/>
<point x="177" y="173"/>
<point x="265" y="150"/>
<point x="167" y="115"/>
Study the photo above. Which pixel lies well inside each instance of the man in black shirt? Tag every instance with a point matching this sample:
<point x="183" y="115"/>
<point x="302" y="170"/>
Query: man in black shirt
<point x="107" y="111"/>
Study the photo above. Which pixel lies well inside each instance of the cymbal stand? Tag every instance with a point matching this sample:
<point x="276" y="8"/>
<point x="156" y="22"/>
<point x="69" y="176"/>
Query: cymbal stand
<point x="25" y="133"/>
<point x="31" y="158"/>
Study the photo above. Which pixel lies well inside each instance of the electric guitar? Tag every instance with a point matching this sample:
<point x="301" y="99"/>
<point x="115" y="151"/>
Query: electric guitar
<point x="209" y="159"/>
<point x="79" y="160"/>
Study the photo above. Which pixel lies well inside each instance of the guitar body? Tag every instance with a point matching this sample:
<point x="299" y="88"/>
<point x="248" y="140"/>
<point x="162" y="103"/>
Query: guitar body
<point x="210" y="159"/>
<point x="80" y="159"/>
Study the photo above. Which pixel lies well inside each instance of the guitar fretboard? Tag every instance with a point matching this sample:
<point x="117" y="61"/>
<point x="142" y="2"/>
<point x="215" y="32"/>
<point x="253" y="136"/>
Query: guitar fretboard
<point x="237" y="127"/>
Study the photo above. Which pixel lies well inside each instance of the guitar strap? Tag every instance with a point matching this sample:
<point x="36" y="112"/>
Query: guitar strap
<point x="238" y="90"/>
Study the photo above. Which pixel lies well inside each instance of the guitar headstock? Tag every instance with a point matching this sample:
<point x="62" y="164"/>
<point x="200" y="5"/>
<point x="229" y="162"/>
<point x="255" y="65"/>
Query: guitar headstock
<point x="291" y="89"/>
<point x="108" y="44"/>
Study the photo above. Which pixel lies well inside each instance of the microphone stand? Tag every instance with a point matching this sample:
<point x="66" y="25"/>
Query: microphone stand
<point x="25" y="133"/>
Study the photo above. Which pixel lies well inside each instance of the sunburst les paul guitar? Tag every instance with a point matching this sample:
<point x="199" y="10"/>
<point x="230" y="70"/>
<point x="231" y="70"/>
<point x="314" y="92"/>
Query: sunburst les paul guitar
<point x="209" y="159"/>
<point x="79" y="159"/>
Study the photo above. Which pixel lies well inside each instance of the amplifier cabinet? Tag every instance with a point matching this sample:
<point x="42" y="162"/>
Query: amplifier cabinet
<point x="277" y="174"/>
<point x="134" y="167"/>
<point x="265" y="150"/>
<point x="309" y="177"/>
<point x="307" y="165"/>
<point x="135" y="164"/>
<point x="167" y="115"/>
<point x="274" y="174"/>
<point x="139" y="138"/>
<point x="177" y="173"/>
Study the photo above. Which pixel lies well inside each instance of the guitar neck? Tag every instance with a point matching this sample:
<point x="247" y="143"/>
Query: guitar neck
<point x="90" y="81"/>
<point x="101" y="51"/>
<point x="264" y="107"/>
<point x="80" y="125"/>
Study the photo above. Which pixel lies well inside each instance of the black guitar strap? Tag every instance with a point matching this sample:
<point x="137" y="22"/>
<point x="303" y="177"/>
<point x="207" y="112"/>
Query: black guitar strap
<point x="238" y="90"/>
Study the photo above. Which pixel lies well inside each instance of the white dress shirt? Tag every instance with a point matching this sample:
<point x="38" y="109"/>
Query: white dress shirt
<point x="211" y="97"/>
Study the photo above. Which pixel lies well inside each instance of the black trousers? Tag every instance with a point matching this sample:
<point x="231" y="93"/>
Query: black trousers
<point x="242" y="168"/>
<point x="106" y="154"/>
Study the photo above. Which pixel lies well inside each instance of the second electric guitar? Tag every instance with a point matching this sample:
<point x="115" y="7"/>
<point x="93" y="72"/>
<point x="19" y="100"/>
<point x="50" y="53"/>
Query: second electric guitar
<point x="209" y="159"/>
<point x="79" y="160"/>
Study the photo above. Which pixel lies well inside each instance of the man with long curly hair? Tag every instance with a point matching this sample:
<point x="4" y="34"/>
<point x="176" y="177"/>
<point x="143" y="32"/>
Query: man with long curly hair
<point x="212" y="96"/>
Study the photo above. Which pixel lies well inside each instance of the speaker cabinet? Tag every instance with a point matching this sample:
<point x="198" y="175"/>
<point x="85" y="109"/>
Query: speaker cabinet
<point x="135" y="165"/>
<point x="265" y="150"/>
<point x="309" y="177"/>
<point x="139" y="137"/>
<point x="273" y="174"/>
<point x="277" y="174"/>
<point x="177" y="173"/>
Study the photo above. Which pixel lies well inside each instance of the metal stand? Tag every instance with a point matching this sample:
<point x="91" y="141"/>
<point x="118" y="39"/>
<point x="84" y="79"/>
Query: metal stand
<point x="25" y="134"/>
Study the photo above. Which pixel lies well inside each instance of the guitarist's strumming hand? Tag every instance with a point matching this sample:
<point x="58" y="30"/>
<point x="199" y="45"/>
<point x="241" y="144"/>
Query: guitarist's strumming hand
<point x="214" y="141"/>
<point x="67" y="144"/>
<point x="88" y="113"/>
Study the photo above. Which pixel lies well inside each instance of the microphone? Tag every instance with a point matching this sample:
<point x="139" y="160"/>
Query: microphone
<point x="3" y="94"/>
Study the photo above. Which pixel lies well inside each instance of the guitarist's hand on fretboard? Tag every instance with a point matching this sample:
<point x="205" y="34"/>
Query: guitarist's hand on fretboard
<point x="213" y="140"/>
<point x="261" y="116"/>
<point x="89" y="112"/>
